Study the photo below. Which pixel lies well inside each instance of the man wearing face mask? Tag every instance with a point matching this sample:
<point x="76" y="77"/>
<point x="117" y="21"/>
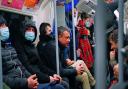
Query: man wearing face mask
<point x="14" y="73"/>
<point x="29" y="56"/>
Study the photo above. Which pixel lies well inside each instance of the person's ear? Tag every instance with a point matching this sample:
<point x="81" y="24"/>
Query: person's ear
<point x="60" y="36"/>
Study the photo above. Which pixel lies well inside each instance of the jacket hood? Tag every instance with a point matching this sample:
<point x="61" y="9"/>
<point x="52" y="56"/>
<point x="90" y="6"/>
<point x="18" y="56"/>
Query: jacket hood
<point x="27" y="24"/>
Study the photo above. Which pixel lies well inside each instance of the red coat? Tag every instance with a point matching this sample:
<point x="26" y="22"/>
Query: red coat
<point x="84" y="45"/>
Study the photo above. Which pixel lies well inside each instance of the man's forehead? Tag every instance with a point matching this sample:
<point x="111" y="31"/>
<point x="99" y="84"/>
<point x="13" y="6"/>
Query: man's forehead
<point x="2" y="24"/>
<point x="66" y="33"/>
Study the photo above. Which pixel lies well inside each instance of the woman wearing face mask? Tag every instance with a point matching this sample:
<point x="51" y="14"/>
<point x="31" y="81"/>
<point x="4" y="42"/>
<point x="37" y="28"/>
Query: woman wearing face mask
<point x="4" y="35"/>
<point x="84" y="44"/>
<point x="29" y="56"/>
<point x="4" y="32"/>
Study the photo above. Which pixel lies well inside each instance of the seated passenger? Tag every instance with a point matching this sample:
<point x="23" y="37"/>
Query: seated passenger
<point x="45" y="37"/>
<point x="15" y="74"/>
<point x="29" y="57"/>
<point x="49" y="56"/>
<point x="86" y="78"/>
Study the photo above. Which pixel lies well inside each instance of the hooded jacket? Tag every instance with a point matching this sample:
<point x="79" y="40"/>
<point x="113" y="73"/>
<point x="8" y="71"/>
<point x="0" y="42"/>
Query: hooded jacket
<point x="28" y="54"/>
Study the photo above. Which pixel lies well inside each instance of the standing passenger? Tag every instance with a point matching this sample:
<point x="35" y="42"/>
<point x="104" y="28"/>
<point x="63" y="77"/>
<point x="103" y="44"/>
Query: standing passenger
<point x="84" y="45"/>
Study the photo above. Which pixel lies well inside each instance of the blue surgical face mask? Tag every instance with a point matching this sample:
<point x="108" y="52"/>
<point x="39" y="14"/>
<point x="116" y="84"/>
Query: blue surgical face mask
<point x="29" y="35"/>
<point x="4" y="33"/>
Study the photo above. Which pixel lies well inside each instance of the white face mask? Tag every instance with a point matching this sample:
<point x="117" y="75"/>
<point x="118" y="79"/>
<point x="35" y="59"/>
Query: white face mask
<point x="4" y="33"/>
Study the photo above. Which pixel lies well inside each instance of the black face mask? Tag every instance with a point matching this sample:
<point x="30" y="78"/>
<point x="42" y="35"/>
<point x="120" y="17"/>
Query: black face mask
<point x="49" y="37"/>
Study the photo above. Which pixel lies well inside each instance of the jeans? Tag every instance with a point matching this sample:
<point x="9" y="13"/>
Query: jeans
<point x="50" y="86"/>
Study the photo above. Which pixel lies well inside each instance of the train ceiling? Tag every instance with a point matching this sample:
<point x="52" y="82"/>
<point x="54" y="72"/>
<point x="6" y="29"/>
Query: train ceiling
<point x="87" y="6"/>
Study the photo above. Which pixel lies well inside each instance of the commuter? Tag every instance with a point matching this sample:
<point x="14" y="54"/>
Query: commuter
<point x="84" y="44"/>
<point x="50" y="56"/>
<point x="15" y="75"/>
<point x="45" y="37"/>
<point x="113" y="39"/>
<point x="86" y="78"/>
<point x="29" y="57"/>
<point x="112" y="16"/>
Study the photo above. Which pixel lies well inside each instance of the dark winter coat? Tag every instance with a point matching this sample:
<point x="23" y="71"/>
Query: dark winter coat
<point x="110" y="16"/>
<point x="14" y="74"/>
<point x="28" y="54"/>
<point x="49" y="57"/>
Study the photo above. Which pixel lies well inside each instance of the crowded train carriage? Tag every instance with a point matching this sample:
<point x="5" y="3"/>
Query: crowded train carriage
<point x="63" y="44"/>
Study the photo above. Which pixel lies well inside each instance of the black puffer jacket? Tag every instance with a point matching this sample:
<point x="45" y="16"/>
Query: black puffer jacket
<point x="14" y="74"/>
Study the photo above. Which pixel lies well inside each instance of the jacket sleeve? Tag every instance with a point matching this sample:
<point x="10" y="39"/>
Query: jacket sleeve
<point x="42" y="77"/>
<point x="45" y="69"/>
<point x="113" y="6"/>
<point x="16" y="83"/>
<point x="41" y="63"/>
<point x="68" y="72"/>
<point x="34" y="69"/>
<point x="64" y="71"/>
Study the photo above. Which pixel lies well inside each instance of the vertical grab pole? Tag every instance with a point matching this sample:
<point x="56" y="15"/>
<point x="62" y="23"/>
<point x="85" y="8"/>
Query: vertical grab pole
<point x="120" y="39"/>
<point x="100" y="49"/>
<point x="1" y="79"/>
<point x="73" y="28"/>
<point x="56" y="36"/>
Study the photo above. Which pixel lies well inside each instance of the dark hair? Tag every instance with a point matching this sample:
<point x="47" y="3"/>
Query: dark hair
<point x="113" y="36"/>
<point x="2" y="20"/>
<point x="61" y="29"/>
<point x="84" y="15"/>
<point x="42" y="28"/>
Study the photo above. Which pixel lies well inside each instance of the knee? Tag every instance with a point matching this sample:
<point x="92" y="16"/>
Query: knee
<point x="81" y="62"/>
<point x="65" y="84"/>
<point x="58" y="86"/>
<point x="84" y="74"/>
<point x="83" y="77"/>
